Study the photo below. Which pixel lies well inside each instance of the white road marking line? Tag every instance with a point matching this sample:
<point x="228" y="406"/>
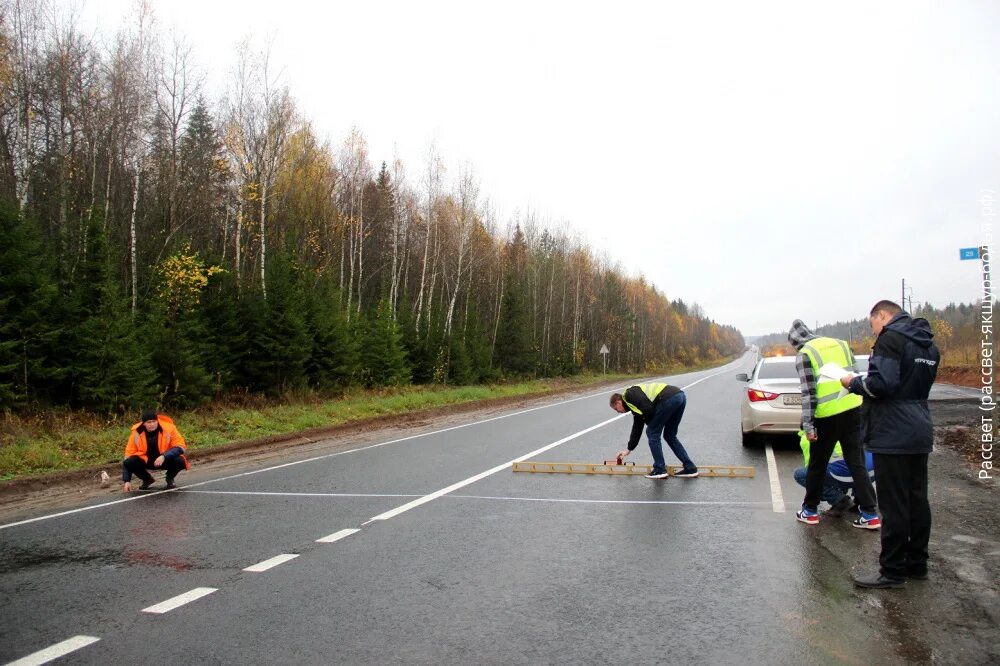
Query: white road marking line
<point x="777" y="501"/>
<point x="290" y="464"/>
<point x="604" y="501"/>
<point x="55" y="651"/>
<point x="323" y="457"/>
<point x="482" y="475"/>
<point x="278" y="494"/>
<point x="337" y="536"/>
<point x="347" y="532"/>
<point x="180" y="600"/>
<point x="271" y="563"/>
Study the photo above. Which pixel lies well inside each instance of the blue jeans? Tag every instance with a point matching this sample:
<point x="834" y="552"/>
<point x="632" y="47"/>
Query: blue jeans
<point x="665" y="421"/>
<point x="833" y="490"/>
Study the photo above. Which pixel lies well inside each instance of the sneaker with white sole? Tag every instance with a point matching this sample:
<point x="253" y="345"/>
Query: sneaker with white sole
<point x="660" y="474"/>
<point x="868" y="521"/>
<point x="687" y="473"/>
<point x="807" y="516"/>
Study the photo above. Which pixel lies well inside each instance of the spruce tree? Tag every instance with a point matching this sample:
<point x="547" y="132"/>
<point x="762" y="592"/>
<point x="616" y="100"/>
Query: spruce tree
<point x="334" y="357"/>
<point x="29" y="306"/>
<point x="383" y="355"/>
<point x="111" y="368"/>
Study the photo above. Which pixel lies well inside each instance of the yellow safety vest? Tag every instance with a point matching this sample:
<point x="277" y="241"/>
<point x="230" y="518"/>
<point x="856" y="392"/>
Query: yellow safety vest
<point x="819" y="352"/>
<point x="651" y="390"/>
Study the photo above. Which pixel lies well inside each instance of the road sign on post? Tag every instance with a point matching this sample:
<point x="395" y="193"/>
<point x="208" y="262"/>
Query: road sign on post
<point x="604" y="353"/>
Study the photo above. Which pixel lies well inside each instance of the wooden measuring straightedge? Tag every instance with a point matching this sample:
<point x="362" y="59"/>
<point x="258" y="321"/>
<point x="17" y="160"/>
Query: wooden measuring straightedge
<point x="728" y="471"/>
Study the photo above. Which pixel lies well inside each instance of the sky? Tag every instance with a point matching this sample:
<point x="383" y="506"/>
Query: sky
<point x="767" y="160"/>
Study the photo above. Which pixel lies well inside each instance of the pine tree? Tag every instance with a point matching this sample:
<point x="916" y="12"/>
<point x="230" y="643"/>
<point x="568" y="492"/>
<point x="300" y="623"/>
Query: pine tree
<point x="383" y="354"/>
<point x="29" y="329"/>
<point x="278" y="344"/>
<point x="514" y="353"/>
<point x="334" y="358"/>
<point x="111" y="368"/>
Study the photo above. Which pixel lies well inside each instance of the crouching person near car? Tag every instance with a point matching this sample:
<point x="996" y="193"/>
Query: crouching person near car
<point x="153" y="443"/>
<point x="838" y="479"/>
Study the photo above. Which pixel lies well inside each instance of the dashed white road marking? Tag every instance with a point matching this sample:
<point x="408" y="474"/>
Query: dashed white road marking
<point x="271" y="563"/>
<point x="55" y="651"/>
<point x="180" y="600"/>
<point x="777" y="500"/>
<point x="482" y="475"/>
<point x="337" y="536"/>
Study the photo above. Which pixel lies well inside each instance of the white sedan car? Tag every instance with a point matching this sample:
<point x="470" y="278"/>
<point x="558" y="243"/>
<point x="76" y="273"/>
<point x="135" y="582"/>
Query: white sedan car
<point x="772" y="403"/>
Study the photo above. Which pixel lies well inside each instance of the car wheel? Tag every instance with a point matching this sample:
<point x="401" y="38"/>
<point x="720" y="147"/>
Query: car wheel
<point x="749" y="439"/>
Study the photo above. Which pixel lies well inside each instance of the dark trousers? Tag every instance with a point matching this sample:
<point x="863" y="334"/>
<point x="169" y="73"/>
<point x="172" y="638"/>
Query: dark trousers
<point x="138" y="465"/>
<point x="846" y="429"/>
<point x="666" y="419"/>
<point x="906" y="513"/>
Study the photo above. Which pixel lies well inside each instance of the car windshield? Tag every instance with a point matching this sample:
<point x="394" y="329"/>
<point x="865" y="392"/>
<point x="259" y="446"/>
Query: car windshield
<point x="777" y="371"/>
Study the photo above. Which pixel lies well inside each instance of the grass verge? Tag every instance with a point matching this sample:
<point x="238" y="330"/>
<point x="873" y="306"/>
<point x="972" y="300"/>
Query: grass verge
<point x="67" y="440"/>
<point x="64" y="440"/>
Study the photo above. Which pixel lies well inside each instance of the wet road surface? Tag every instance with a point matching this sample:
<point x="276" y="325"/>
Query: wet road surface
<point x="455" y="559"/>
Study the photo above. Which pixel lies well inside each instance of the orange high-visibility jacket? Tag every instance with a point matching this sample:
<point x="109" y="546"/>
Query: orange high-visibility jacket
<point x="167" y="438"/>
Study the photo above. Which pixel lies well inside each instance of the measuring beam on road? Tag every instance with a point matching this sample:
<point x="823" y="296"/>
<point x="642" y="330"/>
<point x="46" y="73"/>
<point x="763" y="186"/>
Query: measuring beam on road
<point x="728" y="471"/>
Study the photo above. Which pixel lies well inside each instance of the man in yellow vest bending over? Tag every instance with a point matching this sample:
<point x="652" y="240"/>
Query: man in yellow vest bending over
<point x="659" y="407"/>
<point x="830" y="415"/>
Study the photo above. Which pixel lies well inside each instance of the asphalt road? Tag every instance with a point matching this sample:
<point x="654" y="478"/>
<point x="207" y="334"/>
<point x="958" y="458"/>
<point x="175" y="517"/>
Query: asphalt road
<point x="457" y="560"/>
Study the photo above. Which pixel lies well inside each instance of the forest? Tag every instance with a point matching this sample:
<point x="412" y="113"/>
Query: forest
<point x="956" y="328"/>
<point x="161" y="245"/>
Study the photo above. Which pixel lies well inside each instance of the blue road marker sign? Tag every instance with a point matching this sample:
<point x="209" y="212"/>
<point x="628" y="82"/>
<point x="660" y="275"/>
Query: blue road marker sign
<point x="968" y="253"/>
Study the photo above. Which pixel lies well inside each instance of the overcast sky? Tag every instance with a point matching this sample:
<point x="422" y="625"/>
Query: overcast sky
<point x="767" y="160"/>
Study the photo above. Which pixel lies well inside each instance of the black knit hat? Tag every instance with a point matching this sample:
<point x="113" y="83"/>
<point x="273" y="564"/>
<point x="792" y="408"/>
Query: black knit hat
<point x="149" y="415"/>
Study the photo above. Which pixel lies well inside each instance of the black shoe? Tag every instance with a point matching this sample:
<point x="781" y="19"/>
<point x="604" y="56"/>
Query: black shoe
<point x="875" y="579"/>
<point x="916" y="574"/>
<point x="687" y="473"/>
<point x="171" y="484"/>
<point x="146" y="485"/>
<point x="839" y="507"/>
<point x="657" y="474"/>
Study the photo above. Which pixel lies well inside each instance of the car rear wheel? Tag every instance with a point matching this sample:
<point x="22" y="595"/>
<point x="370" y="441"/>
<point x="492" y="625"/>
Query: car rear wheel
<point x="749" y="439"/>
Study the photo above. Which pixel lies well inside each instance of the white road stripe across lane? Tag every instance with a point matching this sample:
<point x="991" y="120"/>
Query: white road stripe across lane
<point x="482" y="475"/>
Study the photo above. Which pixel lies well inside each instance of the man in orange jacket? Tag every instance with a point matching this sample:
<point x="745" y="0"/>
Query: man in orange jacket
<point x="153" y="443"/>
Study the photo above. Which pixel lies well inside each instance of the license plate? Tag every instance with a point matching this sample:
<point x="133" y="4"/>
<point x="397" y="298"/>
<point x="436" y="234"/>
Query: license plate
<point x="791" y="399"/>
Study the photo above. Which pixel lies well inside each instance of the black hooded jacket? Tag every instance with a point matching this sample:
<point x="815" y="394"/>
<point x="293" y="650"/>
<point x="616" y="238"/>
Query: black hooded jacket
<point x="901" y="369"/>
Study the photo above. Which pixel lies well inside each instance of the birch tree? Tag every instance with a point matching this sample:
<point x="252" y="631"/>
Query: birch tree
<point x="259" y="117"/>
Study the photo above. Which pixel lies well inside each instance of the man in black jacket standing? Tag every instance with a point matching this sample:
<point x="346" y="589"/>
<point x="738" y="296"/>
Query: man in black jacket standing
<point x="900" y="435"/>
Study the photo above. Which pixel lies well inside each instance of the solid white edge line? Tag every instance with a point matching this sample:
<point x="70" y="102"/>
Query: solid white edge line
<point x="482" y="475"/>
<point x="181" y="599"/>
<point x="271" y="563"/>
<point x="323" y="457"/>
<point x="337" y="536"/>
<point x="55" y="651"/>
<point x="777" y="500"/>
<point x="278" y="494"/>
<point x="604" y="501"/>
